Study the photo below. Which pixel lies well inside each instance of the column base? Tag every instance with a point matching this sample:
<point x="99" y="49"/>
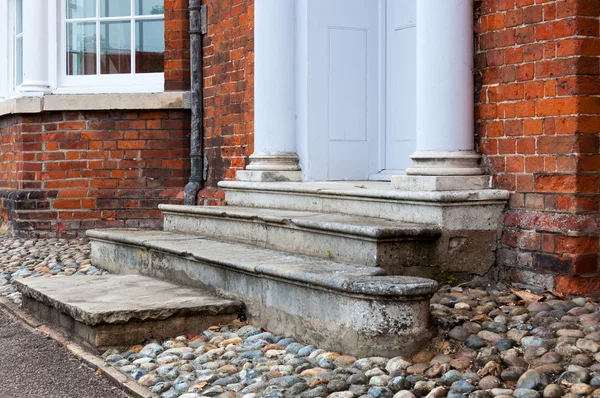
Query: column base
<point x="269" y="176"/>
<point x="443" y="171"/>
<point x="271" y="167"/>
<point x="445" y="163"/>
<point x="440" y="183"/>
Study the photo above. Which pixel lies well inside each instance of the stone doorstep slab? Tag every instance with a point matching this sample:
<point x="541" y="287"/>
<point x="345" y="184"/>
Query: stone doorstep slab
<point x="343" y="307"/>
<point x="365" y="227"/>
<point x="391" y="245"/>
<point x="469" y="209"/>
<point x="117" y="310"/>
<point x="342" y="277"/>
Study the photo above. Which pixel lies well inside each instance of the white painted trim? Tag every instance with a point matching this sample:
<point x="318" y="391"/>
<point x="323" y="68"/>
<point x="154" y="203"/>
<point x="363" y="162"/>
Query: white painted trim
<point x="302" y="83"/>
<point x="4" y="57"/>
<point x="11" y="49"/>
<point x="133" y="101"/>
<point x="101" y="84"/>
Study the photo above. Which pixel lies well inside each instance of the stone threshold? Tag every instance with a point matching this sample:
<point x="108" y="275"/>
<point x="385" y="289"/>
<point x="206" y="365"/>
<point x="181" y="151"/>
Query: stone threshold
<point x="367" y="190"/>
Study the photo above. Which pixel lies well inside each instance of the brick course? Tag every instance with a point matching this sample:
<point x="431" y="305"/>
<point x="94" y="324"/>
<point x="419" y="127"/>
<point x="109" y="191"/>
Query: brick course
<point x="65" y="172"/>
<point x="177" y="45"/>
<point x="538" y="121"/>
<point x="228" y="92"/>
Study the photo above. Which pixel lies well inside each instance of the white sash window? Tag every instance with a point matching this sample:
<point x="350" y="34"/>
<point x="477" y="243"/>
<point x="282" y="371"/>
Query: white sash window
<point x="81" y="46"/>
<point x="112" y="45"/>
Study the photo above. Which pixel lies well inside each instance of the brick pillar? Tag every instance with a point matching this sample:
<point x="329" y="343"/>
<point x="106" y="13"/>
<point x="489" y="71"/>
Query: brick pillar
<point x="538" y="120"/>
<point x="177" y="45"/>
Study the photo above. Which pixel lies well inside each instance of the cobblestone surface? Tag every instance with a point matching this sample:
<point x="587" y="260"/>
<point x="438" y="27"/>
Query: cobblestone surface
<point x="28" y="258"/>
<point x="492" y="342"/>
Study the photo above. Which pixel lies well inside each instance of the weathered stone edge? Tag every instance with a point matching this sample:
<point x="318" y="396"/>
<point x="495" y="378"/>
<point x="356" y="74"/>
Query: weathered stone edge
<point x="390" y="287"/>
<point x="405" y="230"/>
<point x="436" y="197"/>
<point x="96" y="363"/>
<point x="118" y="317"/>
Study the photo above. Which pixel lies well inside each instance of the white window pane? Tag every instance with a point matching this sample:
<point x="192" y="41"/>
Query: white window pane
<point x="115" y="47"/>
<point x="149" y="7"/>
<point x="19" y="61"/>
<point x="81" y="48"/>
<point x="81" y="9"/>
<point x="149" y="46"/>
<point x="115" y="8"/>
<point x="19" y="17"/>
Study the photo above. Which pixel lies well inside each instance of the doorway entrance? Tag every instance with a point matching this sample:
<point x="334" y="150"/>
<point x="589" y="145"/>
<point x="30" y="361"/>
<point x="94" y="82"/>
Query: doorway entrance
<point x="361" y="88"/>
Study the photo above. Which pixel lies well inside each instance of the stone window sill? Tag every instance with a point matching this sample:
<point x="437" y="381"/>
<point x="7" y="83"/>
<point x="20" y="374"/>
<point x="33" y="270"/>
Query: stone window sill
<point x="95" y="102"/>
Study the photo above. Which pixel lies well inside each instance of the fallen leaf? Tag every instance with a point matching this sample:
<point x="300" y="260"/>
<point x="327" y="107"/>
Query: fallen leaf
<point x="482" y="318"/>
<point x="526" y="295"/>
<point x="561" y="296"/>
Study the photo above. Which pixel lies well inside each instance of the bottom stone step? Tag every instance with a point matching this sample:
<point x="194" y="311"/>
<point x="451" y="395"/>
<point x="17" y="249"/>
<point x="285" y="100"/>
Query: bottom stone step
<point x="119" y="310"/>
<point x="358" y="310"/>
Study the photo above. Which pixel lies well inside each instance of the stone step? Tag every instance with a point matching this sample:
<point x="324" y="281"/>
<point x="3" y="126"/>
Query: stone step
<point x="344" y="307"/>
<point x="122" y="310"/>
<point x="392" y="245"/>
<point x="466" y="209"/>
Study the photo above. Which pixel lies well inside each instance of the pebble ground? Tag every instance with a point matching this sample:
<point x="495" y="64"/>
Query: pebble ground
<point x="491" y="343"/>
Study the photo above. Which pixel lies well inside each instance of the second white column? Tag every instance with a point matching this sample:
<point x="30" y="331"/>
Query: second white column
<point x="445" y="158"/>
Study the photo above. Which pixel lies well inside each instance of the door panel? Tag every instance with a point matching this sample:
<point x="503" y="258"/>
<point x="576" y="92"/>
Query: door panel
<point x="361" y="78"/>
<point x="344" y="87"/>
<point x="401" y="88"/>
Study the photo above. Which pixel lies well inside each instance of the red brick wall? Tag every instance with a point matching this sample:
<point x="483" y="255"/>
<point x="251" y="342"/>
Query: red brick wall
<point x="228" y="91"/>
<point x="177" y="45"/>
<point x="80" y="170"/>
<point x="538" y="118"/>
<point x="10" y="152"/>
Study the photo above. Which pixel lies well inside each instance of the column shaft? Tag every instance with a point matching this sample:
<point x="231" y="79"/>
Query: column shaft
<point x="35" y="47"/>
<point x="275" y="156"/>
<point x="445" y="158"/>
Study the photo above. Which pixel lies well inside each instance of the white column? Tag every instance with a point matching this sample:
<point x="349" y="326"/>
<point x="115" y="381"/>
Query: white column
<point x="275" y="157"/>
<point x="4" y="45"/>
<point x="445" y="158"/>
<point x="35" y="47"/>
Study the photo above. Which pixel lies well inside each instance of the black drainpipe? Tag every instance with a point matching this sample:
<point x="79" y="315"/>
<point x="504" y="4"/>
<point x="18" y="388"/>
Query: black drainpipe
<point x="197" y="159"/>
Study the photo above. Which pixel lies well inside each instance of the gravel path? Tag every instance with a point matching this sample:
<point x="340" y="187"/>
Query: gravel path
<point x="32" y="365"/>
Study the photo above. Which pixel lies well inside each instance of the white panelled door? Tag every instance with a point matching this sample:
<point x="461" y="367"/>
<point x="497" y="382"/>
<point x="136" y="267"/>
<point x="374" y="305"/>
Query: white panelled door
<point x="361" y="88"/>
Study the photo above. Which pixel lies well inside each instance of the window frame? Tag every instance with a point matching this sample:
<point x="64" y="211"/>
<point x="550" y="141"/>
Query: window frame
<point x="102" y="83"/>
<point x="56" y="66"/>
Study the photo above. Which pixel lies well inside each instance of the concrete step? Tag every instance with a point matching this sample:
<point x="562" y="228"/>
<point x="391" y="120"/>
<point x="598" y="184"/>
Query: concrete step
<point x="392" y="245"/>
<point x="121" y="310"/>
<point x="344" y="307"/>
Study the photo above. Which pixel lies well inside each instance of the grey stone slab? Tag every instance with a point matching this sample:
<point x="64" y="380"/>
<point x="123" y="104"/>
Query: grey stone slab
<point x="301" y="269"/>
<point x="342" y="307"/>
<point x="118" y="299"/>
<point x="468" y="219"/>
<point x="341" y="223"/>
<point x="392" y="245"/>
